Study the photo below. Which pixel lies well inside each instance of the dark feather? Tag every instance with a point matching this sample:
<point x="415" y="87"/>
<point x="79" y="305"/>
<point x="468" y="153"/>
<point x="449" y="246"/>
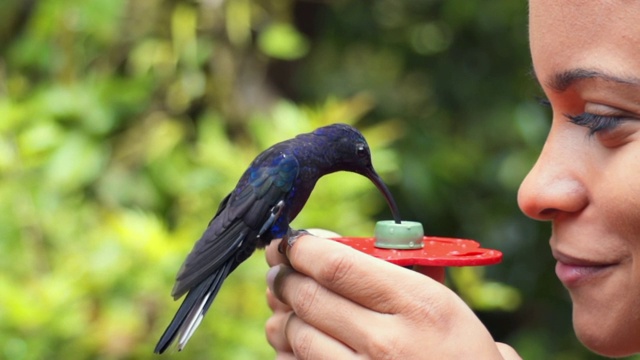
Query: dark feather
<point x="244" y="214"/>
<point x="192" y="309"/>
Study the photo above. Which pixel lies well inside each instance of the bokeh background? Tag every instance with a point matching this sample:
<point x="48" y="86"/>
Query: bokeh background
<point x="124" y="123"/>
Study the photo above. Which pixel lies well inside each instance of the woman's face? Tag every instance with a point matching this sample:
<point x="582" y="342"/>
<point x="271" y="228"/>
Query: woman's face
<point x="586" y="57"/>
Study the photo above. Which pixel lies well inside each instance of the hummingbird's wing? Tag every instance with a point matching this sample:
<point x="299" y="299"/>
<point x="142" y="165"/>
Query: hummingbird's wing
<point x="230" y="238"/>
<point x="242" y="216"/>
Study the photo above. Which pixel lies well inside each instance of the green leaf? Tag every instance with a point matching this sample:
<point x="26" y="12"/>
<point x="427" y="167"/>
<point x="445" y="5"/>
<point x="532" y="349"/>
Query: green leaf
<point x="283" y="41"/>
<point x="77" y="162"/>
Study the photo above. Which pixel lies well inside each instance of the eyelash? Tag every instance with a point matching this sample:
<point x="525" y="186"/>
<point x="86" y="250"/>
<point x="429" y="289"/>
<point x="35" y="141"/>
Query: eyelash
<point x="593" y="122"/>
<point x="543" y="101"/>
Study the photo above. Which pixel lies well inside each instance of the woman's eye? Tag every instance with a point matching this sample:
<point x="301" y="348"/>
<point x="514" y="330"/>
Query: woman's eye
<point x="595" y="123"/>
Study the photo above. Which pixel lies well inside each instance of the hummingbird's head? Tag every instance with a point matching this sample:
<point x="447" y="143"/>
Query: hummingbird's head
<point x="347" y="150"/>
<point x="344" y="148"/>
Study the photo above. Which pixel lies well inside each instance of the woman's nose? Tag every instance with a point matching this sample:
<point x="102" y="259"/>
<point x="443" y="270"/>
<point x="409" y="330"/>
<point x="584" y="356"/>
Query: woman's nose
<point x="556" y="183"/>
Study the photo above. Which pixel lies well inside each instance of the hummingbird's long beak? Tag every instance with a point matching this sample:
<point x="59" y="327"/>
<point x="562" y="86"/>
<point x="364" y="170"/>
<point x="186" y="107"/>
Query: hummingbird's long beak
<point x="371" y="174"/>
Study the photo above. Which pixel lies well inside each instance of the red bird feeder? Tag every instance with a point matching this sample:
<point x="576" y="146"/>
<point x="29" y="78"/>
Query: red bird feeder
<point x="404" y="244"/>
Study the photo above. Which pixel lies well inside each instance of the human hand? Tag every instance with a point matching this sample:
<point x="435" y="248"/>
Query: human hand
<point x="334" y="302"/>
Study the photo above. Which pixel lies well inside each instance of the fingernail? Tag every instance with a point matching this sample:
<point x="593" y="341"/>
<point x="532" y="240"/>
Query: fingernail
<point x="271" y="276"/>
<point x="282" y="247"/>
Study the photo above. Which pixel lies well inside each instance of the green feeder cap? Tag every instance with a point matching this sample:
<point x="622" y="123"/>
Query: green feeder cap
<point x="406" y="235"/>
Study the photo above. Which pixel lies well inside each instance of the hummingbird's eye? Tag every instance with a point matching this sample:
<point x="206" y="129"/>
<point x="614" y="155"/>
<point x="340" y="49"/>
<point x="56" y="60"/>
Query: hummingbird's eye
<point x="362" y="150"/>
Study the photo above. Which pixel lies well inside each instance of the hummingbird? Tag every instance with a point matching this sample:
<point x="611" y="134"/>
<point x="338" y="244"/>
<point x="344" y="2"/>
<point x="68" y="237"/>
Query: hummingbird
<point x="268" y="196"/>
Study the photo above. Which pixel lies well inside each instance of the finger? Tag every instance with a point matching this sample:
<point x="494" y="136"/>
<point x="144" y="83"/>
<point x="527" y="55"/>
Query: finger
<point x="328" y="312"/>
<point x="507" y="352"/>
<point x="285" y="356"/>
<point x="437" y="273"/>
<point x="275" y="304"/>
<point x="275" y="332"/>
<point x="371" y="282"/>
<point x="274" y="256"/>
<point x="323" y="233"/>
<point x="308" y="342"/>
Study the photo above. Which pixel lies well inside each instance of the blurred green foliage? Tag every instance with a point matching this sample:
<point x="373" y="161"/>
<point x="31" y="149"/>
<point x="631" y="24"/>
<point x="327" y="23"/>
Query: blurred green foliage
<point x="124" y="123"/>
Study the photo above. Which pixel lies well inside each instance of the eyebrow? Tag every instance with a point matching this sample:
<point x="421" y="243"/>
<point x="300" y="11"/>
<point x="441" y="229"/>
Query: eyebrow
<point x="561" y="81"/>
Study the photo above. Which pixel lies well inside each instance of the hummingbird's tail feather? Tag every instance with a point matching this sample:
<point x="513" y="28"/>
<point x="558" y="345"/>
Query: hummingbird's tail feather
<point x="193" y="309"/>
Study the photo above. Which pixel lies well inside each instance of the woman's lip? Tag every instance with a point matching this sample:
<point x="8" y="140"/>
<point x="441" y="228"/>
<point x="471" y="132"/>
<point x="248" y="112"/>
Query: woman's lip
<point x="572" y="275"/>
<point x="573" y="271"/>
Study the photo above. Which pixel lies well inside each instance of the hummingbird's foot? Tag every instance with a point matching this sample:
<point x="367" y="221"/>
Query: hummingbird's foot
<point x="290" y="238"/>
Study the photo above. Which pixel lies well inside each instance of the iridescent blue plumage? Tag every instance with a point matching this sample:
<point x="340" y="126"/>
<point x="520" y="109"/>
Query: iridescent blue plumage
<point x="268" y="196"/>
